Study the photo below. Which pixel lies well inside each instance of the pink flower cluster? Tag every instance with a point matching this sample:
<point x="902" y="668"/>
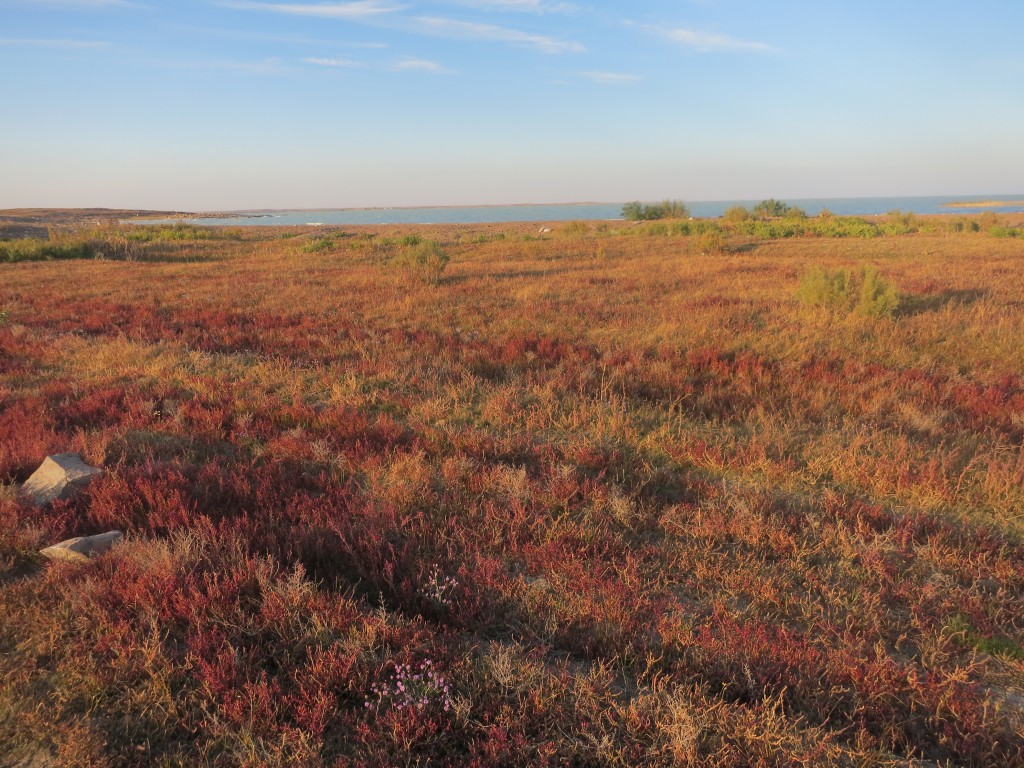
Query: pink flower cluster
<point x="412" y="687"/>
<point x="440" y="589"/>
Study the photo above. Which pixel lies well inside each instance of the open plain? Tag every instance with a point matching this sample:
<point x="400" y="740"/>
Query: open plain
<point x="607" y="494"/>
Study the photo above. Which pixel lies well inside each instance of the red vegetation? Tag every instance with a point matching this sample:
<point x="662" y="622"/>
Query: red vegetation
<point x="625" y="510"/>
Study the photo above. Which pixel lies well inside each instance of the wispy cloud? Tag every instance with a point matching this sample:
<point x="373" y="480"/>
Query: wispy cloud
<point x="610" y="78"/>
<point x="710" y="41"/>
<point x="53" y="43"/>
<point x="468" y="30"/>
<point x="701" y="40"/>
<point x="525" y="6"/>
<point x="353" y="10"/>
<point x="75" y="3"/>
<point x="269" y="66"/>
<point x="385" y="13"/>
<point x="422" y="65"/>
<point x="345" y="63"/>
<point x="272" y="37"/>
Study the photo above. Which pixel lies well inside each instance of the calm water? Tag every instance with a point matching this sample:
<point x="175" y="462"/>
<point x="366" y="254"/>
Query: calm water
<point x="850" y="206"/>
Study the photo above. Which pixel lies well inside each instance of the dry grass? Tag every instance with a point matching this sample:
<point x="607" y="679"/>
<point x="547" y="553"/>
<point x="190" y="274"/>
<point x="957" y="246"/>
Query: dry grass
<point x="691" y="521"/>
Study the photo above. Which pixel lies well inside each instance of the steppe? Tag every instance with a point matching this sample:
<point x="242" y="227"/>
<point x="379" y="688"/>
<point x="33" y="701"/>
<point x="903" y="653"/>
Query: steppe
<point x="610" y="494"/>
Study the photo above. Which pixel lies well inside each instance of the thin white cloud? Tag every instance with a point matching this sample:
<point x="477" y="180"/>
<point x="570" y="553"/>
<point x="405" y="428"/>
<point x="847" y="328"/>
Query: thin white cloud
<point x="422" y="65"/>
<point x="272" y="37"/>
<point x="710" y="41"/>
<point x="75" y="3"/>
<point x="702" y="41"/>
<point x="271" y="66"/>
<point x="524" y="6"/>
<point x="467" y="30"/>
<point x="610" y="78"/>
<point x="354" y="10"/>
<point x="53" y="43"/>
<point x="344" y="63"/>
<point x="385" y="13"/>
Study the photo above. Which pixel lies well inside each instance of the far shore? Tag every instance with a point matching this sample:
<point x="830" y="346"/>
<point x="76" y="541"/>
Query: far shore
<point x="983" y="204"/>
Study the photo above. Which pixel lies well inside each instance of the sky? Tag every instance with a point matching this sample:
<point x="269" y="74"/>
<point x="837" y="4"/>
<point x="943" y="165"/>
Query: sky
<point x="239" y="104"/>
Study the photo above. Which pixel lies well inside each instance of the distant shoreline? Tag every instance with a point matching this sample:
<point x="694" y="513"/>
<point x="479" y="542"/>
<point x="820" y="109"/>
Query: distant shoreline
<point x="264" y="211"/>
<point x="984" y="204"/>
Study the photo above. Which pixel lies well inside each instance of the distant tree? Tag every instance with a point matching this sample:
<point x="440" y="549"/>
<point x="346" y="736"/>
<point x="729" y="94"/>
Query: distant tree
<point x="633" y="211"/>
<point x="667" y="209"/>
<point x="771" y="208"/>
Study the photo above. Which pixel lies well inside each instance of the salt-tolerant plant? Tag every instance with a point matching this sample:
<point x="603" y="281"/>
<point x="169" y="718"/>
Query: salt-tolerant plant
<point x="424" y="262"/>
<point x="866" y="292"/>
<point x="736" y="213"/>
<point x="878" y="297"/>
<point x="318" y="245"/>
<point x="771" y="208"/>
<point x="411" y="687"/>
<point x="709" y="242"/>
<point x="439" y="588"/>
<point x="824" y="288"/>
<point x="667" y="209"/>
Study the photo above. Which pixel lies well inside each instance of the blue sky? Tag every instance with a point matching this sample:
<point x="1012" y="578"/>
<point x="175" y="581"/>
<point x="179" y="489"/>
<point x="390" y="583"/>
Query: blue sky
<point x="227" y="104"/>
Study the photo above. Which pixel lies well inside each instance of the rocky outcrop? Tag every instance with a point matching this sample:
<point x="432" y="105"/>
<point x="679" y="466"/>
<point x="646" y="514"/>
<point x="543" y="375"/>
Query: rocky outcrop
<point x="83" y="548"/>
<point x="59" y="477"/>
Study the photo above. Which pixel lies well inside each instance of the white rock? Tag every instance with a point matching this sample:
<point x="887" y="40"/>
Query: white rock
<point x="59" y="477"/>
<point x="82" y="548"/>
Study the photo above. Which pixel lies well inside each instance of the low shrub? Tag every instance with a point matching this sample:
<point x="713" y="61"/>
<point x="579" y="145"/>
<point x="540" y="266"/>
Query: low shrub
<point x="162" y="233"/>
<point x="31" y="249"/>
<point x="318" y="245"/>
<point x="865" y="292"/>
<point x="898" y="223"/>
<point x="576" y="229"/>
<point x="841" y="226"/>
<point x="736" y="213"/>
<point x="667" y="209"/>
<point x="1001" y="230"/>
<point x="709" y="242"/>
<point x="773" y="209"/>
<point x="424" y="262"/>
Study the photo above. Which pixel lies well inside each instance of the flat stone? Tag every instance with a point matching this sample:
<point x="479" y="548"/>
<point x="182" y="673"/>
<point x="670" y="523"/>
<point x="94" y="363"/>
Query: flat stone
<point x="988" y="586"/>
<point x="59" y="477"/>
<point x="82" y="548"/>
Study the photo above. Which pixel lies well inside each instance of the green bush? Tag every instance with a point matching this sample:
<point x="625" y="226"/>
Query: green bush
<point x="318" y="245"/>
<point x="822" y="288"/>
<point x="963" y="224"/>
<point x="845" y="291"/>
<point x="841" y="226"/>
<point x="898" y="223"/>
<point x="709" y="242"/>
<point x="408" y="241"/>
<point x="159" y="233"/>
<point x="576" y="230"/>
<point x="736" y="213"/>
<point x="878" y="297"/>
<point x="771" y="208"/>
<point x="30" y="249"/>
<point x="424" y="262"/>
<point x="667" y="209"/>
<point x="1001" y="230"/>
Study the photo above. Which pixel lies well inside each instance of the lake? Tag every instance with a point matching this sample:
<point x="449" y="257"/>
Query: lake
<point x="848" y="206"/>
